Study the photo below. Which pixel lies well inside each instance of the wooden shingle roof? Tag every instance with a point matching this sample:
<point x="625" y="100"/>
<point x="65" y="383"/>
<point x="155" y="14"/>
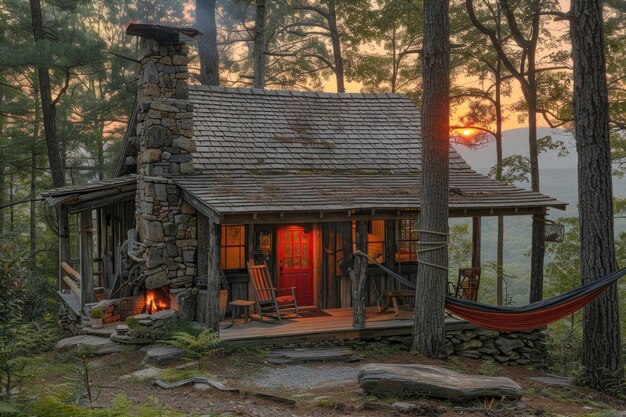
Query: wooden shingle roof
<point x="260" y="130"/>
<point x="261" y="151"/>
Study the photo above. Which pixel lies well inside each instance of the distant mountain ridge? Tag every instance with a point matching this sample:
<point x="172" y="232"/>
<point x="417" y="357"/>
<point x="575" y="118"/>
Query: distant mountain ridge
<point x="557" y="174"/>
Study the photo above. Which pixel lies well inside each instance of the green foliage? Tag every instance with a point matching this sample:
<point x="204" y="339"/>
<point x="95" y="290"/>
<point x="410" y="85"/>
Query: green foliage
<point x="207" y="343"/>
<point x="132" y="323"/>
<point x="25" y="329"/>
<point x="459" y="249"/>
<point x="490" y="368"/>
<point x="97" y="313"/>
<point x="81" y="380"/>
<point x="563" y="274"/>
<point x="164" y="332"/>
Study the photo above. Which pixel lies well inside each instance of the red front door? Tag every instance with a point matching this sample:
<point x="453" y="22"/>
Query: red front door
<point x="295" y="266"/>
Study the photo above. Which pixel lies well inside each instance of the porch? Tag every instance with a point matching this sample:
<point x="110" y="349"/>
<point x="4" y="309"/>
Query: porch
<point x="324" y="326"/>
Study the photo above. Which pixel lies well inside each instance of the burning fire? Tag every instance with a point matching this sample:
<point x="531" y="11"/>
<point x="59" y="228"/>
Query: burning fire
<point x="153" y="304"/>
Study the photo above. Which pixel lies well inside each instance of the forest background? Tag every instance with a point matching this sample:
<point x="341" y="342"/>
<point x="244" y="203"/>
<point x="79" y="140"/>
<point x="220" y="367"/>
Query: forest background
<point x="367" y="46"/>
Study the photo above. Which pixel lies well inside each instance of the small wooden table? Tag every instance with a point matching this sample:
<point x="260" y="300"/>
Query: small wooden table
<point x="244" y="305"/>
<point x="392" y="295"/>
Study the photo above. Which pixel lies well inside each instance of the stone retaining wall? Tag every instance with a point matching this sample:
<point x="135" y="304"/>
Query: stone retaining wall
<point x="465" y="340"/>
<point x="118" y="309"/>
<point x="510" y="348"/>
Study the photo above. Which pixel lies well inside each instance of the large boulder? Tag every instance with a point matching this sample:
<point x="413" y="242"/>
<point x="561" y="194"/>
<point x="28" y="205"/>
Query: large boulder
<point x="403" y="381"/>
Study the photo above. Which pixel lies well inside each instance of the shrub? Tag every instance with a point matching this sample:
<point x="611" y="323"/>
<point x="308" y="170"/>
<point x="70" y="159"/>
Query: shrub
<point x="97" y="313"/>
<point x="132" y="323"/>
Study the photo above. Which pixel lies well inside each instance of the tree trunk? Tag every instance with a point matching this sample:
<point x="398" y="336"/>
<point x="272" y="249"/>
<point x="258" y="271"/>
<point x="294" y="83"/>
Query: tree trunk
<point x="259" y="45"/>
<point x="498" y="136"/>
<point x="2" y="173"/>
<point x="358" y="276"/>
<point x="207" y="42"/>
<point x="33" y="200"/>
<point x="48" y="107"/>
<point x="335" y="40"/>
<point x="432" y="275"/>
<point x="602" y="354"/>
<point x="538" y="227"/>
<point x="214" y="275"/>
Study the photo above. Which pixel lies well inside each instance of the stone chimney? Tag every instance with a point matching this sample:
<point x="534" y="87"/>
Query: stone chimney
<point x="166" y="225"/>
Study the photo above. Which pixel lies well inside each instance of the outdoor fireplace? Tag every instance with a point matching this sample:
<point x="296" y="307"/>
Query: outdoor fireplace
<point x="156" y="300"/>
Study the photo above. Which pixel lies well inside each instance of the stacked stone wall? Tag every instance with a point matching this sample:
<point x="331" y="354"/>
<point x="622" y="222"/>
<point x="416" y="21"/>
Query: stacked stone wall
<point x="167" y="226"/>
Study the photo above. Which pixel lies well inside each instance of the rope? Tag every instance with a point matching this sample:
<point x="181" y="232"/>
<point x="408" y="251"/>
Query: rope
<point x="435" y="246"/>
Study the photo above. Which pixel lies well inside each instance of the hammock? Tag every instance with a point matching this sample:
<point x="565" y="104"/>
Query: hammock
<point x="516" y="318"/>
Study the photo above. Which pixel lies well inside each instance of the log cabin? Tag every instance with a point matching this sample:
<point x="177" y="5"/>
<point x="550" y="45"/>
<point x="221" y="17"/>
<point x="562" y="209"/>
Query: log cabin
<point x="210" y="178"/>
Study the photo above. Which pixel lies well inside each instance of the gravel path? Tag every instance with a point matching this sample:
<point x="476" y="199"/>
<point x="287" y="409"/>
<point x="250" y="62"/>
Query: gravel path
<point x="304" y="376"/>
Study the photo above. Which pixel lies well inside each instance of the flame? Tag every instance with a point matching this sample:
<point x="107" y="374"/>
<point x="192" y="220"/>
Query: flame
<point x="152" y="304"/>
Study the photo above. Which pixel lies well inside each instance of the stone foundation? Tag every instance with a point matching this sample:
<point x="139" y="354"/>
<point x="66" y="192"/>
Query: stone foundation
<point x="506" y="348"/>
<point x="509" y="348"/>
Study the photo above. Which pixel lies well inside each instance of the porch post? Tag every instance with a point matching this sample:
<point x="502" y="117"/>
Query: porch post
<point x="64" y="240"/>
<point x="203" y="245"/>
<point x="358" y="276"/>
<point x="476" y="224"/>
<point x="390" y="244"/>
<point x="214" y="275"/>
<point x="86" y="258"/>
<point x="537" y="255"/>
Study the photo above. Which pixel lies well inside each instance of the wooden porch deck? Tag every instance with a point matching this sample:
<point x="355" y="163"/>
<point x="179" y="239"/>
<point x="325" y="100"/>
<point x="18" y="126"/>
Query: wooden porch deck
<point x="335" y="324"/>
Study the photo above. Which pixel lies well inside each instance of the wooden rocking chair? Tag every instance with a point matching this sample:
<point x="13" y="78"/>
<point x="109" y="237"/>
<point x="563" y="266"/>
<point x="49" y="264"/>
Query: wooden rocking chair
<point x="267" y="298"/>
<point x="467" y="284"/>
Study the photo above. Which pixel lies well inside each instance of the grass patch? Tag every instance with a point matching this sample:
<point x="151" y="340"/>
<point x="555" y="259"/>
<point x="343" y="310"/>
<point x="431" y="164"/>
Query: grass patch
<point x="490" y="368"/>
<point x="377" y="350"/>
<point x="328" y="403"/>
<point x="173" y="374"/>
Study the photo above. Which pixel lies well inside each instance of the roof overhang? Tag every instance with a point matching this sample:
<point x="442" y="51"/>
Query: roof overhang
<point x="93" y="195"/>
<point x="288" y="198"/>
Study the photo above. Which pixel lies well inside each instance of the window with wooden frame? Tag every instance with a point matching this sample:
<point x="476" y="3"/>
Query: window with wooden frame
<point x="375" y="240"/>
<point x="233" y="247"/>
<point x="407" y="237"/>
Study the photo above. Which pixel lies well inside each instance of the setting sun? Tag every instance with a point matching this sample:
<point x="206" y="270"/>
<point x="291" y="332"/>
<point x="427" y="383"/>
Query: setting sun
<point x="467" y="132"/>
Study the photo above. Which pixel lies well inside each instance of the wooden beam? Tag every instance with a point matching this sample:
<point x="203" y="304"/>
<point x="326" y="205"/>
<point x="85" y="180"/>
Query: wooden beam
<point x="476" y="237"/>
<point x="64" y="240"/>
<point x="72" y="286"/>
<point x="214" y="275"/>
<point x="86" y="258"/>
<point x="392" y="214"/>
<point x="537" y="258"/>
<point x="71" y="272"/>
<point x="358" y="275"/>
<point x="104" y="201"/>
<point x="390" y="244"/>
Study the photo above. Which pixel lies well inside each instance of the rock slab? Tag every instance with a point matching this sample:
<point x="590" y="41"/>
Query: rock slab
<point x="149" y="372"/>
<point x="288" y="356"/>
<point x="161" y="354"/>
<point x="99" y="345"/>
<point x="406" y="381"/>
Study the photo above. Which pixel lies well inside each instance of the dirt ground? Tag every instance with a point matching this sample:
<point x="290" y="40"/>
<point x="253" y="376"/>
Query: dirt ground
<point x="320" y="389"/>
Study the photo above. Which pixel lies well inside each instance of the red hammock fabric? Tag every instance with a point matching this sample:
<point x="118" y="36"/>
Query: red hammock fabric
<point x="517" y="321"/>
<point x="526" y="317"/>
